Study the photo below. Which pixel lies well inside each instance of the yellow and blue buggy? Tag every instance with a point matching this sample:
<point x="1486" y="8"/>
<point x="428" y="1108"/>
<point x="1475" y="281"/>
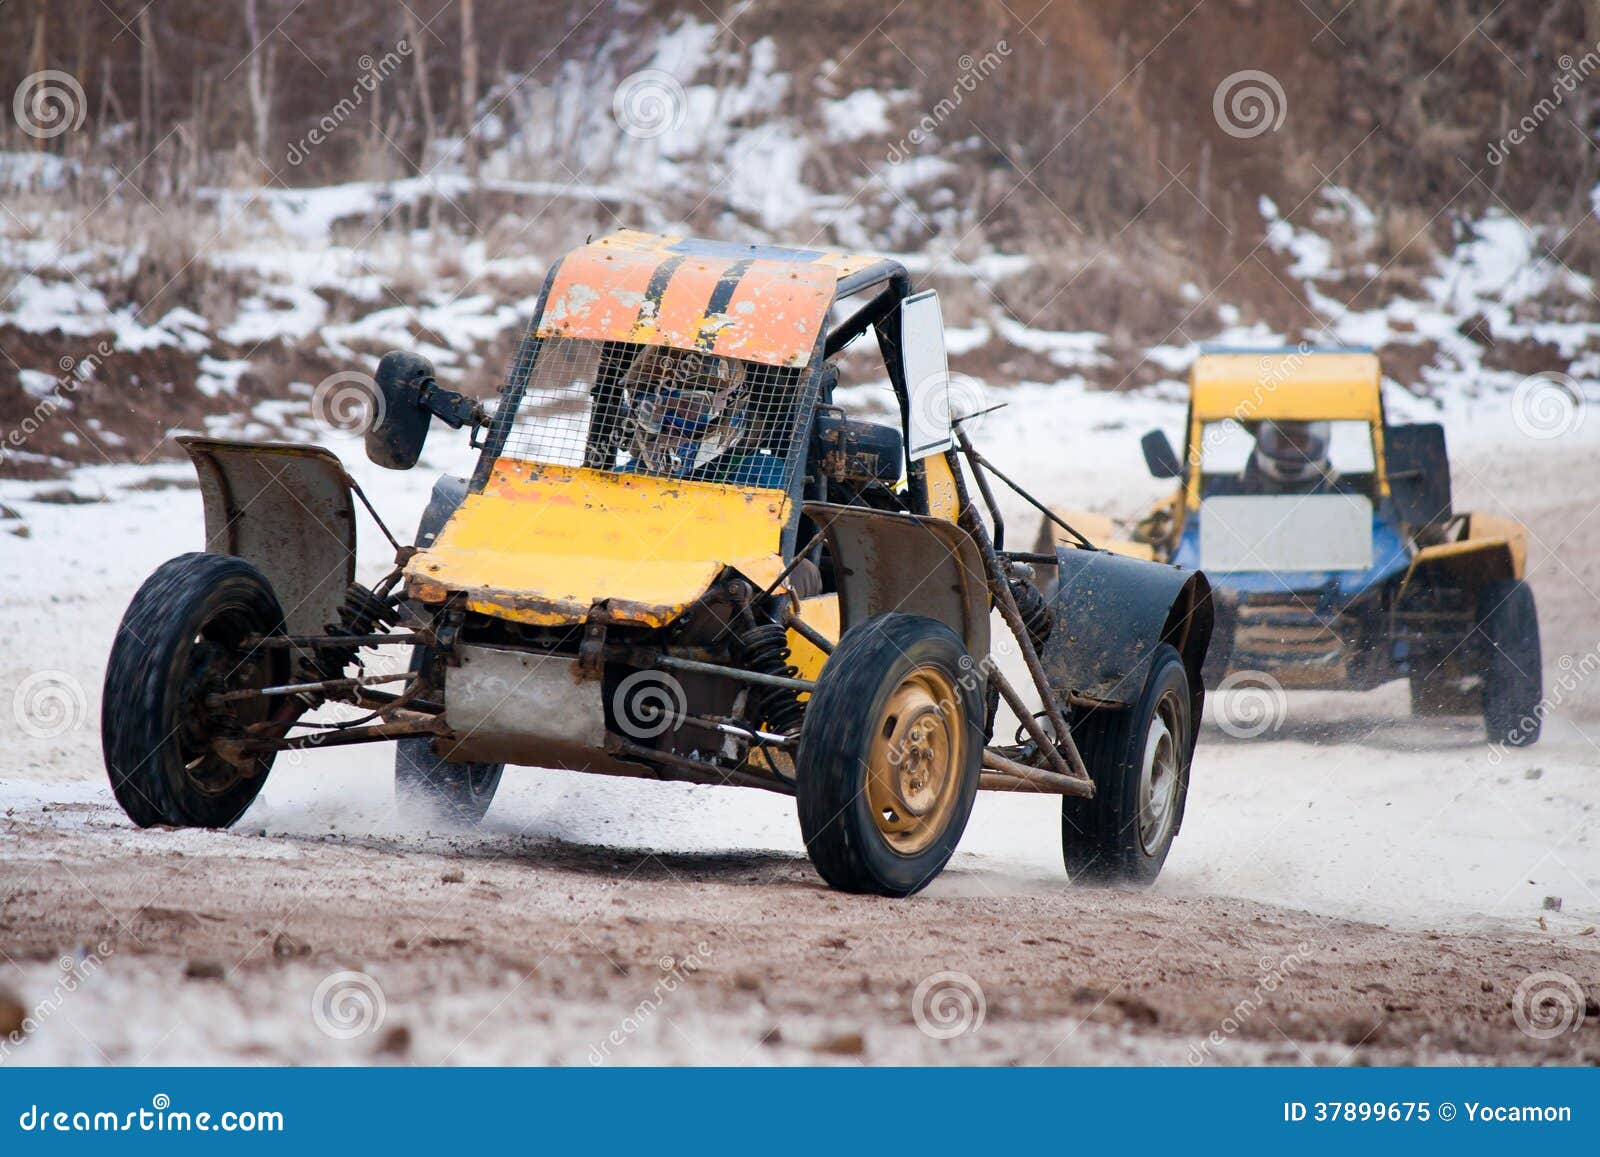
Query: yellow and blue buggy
<point x="1337" y="556"/>
<point x="678" y="559"/>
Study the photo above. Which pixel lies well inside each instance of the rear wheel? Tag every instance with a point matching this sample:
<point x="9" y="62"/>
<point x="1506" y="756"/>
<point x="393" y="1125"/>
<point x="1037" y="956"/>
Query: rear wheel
<point x="432" y="789"/>
<point x="1139" y="759"/>
<point x="888" y="763"/>
<point x="180" y="646"/>
<point x="1513" y="680"/>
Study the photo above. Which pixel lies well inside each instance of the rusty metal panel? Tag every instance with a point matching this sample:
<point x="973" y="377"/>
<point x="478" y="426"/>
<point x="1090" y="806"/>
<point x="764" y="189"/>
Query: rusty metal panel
<point x="903" y="562"/>
<point x="757" y="303"/>
<point x="506" y="706"/>
<point x="287" y="510"/>
<point x="1111" y="613"/>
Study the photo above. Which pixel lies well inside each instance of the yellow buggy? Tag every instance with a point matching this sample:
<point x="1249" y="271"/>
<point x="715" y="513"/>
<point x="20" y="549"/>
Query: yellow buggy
<point x="678" y="559"/>
<point x="1330" y="533"/>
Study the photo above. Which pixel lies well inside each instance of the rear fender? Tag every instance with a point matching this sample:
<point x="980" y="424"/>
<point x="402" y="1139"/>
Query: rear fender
<point x="287" y="510"/>
<point x="1111" y="613"/>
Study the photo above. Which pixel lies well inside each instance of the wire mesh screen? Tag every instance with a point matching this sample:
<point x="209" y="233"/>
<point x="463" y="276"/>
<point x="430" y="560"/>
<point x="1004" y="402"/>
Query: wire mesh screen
<point x="652" y="410"/>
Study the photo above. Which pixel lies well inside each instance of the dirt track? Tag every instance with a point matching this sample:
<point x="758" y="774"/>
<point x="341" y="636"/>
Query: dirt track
<point x="546" y="936"/>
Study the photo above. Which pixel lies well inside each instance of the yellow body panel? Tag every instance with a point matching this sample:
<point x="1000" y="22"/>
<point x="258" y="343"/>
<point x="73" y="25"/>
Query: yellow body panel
<point x="943" y="502"/>
<point x="544" y="544"/>
<point x="821" y="614"/>
<point x="1290" y="387"/>
<point x="1284" y="387"/>
<point x="1099" y="529"/>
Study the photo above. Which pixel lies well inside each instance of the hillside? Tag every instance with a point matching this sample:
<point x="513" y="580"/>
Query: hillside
<point x="233" y="203"/>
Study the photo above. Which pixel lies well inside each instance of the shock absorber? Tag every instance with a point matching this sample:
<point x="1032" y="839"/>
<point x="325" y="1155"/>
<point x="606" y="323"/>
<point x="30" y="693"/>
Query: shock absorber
<point x="764" y="648"/>
<point x="363" y="612"/>
<point x="1037" y="614"/>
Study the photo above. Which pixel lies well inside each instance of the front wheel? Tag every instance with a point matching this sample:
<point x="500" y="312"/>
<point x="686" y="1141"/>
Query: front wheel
<point x="431" y="789"/>
<point x="1513" y="680"/>
<point x="888" y="763"/>
<point x="181" y="647"/>
<point x="1139" y="760"/>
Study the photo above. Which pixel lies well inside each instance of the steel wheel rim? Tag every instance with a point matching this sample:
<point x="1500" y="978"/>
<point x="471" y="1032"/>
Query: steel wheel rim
<point x="1160" y="772"/>
<point x="914" y="766"/>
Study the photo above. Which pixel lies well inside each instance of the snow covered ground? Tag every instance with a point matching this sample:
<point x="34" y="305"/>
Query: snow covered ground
<point x="1348" y="808"/>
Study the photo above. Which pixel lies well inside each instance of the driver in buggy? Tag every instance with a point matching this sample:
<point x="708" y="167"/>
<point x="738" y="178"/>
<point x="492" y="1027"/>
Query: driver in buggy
<point x="1289" y="458"/>
<point x="695" y="416"/>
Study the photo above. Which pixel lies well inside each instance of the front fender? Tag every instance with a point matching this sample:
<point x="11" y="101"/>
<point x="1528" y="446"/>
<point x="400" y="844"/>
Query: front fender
<point x="287" y="510"/>
<point x="1111" y="613"/>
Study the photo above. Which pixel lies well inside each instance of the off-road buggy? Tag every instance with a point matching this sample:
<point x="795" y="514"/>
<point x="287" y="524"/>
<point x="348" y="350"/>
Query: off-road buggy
<point x="677" y="559"/>
<point x="1337" y="556"/>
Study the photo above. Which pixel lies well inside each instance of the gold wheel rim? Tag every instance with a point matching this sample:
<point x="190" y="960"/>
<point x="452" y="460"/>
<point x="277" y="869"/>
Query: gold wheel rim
<point x="914" y="767"/>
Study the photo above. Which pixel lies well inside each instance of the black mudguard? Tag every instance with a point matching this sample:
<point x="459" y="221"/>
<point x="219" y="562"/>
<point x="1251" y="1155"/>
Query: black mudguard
<point x="1112" y="612"/>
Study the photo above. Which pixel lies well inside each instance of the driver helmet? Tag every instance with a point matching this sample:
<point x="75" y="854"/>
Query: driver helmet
<point x="1293" y="451"/>
<point x="686" y="409"/>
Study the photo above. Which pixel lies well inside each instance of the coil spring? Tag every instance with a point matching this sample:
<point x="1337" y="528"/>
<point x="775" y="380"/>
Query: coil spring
<point x="363" y="612"/>
<point x="764" y="648"/>
<point x="1037" y="614"/>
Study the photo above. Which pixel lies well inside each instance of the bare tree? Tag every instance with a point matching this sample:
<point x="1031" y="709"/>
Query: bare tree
<point x="419" y="52"/>
<point x="258" y="80"/>
<point x="469" y="88"/>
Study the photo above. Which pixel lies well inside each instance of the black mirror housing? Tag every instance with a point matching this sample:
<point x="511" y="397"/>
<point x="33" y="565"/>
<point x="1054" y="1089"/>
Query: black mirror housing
<point x="1159" y="456"/>
<point x="400" y="420"/>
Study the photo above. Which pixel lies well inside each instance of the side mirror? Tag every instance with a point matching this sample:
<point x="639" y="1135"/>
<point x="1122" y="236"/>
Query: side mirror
<point x="408" y="399"/>
<point x="1419" y="473"/>
<point x="1159" y="456"/>
<point x="927" y="376"/>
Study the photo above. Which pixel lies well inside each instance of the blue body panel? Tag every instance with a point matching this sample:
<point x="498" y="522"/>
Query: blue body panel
<point x="1337" y="588"/>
